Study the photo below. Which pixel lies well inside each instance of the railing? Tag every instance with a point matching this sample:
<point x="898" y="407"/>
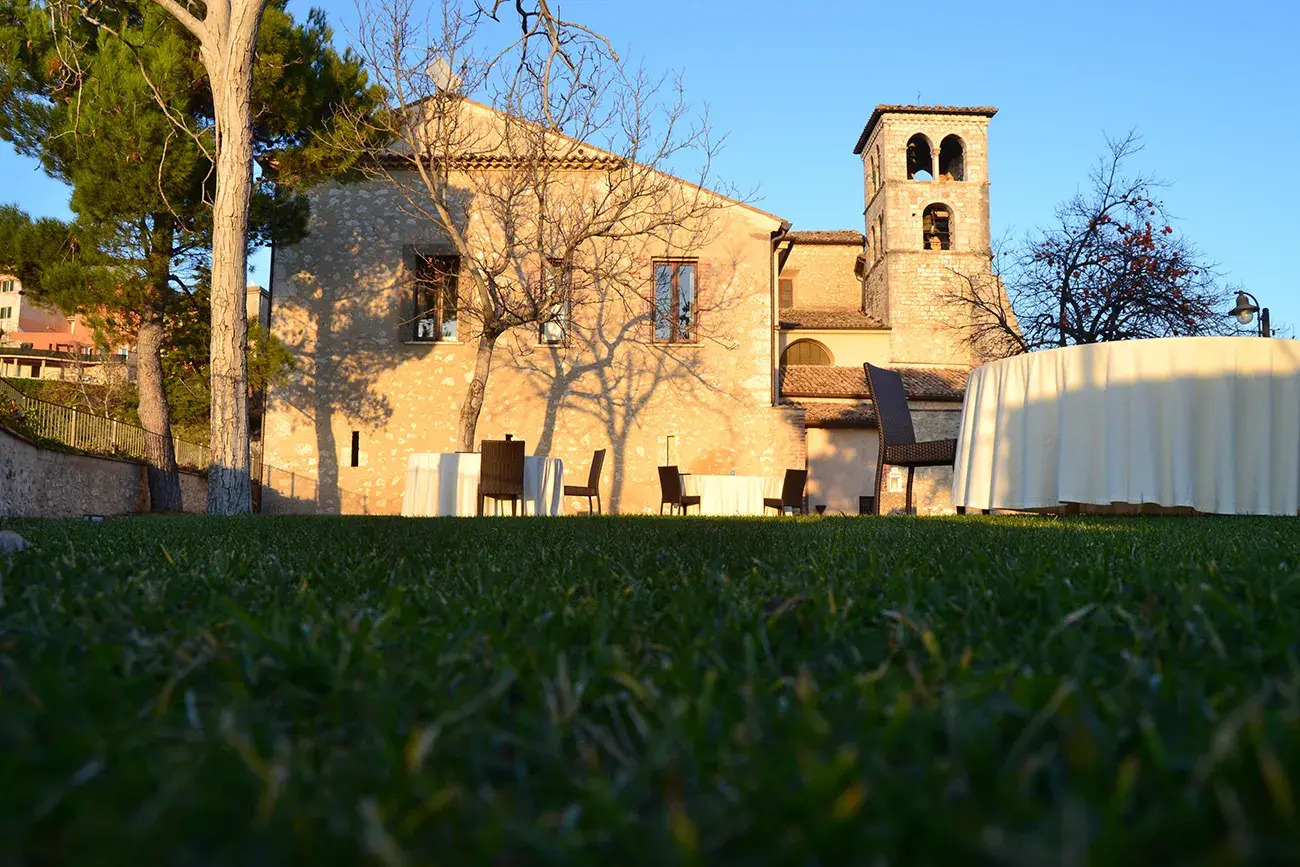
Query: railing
<point x="61" y="355"/>
<point x="101" y="435"/>
<point x="96" y="433"/>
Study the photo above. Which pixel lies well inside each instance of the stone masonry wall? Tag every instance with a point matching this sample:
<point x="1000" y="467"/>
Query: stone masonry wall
<point x="39" y="483"/>
<point x="823" y="275"/>
<point x="916" y="280"/>
<point x="340" y="306"/>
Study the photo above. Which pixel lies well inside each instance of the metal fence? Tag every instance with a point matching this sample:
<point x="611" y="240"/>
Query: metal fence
<point x="96" y="433"/>
<point x="105" y="436"/>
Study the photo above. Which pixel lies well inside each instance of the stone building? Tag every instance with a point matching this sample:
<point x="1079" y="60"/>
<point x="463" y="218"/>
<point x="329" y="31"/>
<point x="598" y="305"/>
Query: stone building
<point x="770" y="378"/>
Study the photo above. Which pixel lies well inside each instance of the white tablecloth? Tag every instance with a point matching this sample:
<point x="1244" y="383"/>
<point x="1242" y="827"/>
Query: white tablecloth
<point x="1207" y="422"/>
<point x="730" y="495"/>
<point x="447" y="484"/>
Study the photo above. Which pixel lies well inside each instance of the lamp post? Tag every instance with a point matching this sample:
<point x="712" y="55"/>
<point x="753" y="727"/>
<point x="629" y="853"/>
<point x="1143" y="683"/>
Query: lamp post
<point x="1244" y="312"/>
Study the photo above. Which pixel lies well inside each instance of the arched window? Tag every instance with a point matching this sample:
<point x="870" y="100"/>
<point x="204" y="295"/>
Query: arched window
<point x="936" y="227"/>
<point x="880" y="235"/>
<point x="952" y="159"/>
<point x="920" y="159"/>
<point x="806" y="352"/>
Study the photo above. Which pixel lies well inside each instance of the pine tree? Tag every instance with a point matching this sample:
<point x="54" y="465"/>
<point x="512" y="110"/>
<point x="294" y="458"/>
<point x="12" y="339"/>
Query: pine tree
<point x="115" y="103"/>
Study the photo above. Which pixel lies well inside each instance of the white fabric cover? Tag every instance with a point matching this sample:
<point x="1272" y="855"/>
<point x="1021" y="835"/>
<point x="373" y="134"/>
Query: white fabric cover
<point x="1207" y="422"/>
<point x="730" y="495"/>
<point x="447" y="484"/>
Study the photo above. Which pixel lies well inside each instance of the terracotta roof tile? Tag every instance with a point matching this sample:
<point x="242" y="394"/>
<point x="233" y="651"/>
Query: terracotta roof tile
<point x="827" y="236"/>
<point x="920" y="383"/>
<point x="828" y="317"/>
<point x="977" y="110"/>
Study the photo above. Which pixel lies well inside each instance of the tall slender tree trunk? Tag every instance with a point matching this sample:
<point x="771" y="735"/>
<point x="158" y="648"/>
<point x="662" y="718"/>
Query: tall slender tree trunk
<point x="155" y="418"/>
<point x="469" y="411"/>
<point x="230" y="70"/>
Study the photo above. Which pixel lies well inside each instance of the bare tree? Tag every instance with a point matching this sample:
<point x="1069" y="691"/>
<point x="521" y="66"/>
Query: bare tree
<point x="1112" y="268"/>
<point x="548" y="192"/>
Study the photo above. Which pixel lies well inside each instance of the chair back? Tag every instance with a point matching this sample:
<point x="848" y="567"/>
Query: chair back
<point x="890" y="402"/>
<point x="670" y="485"/>
<point x="502" y="469"/>
<point x="597" y="461"/>
<point x="792" y="489"/>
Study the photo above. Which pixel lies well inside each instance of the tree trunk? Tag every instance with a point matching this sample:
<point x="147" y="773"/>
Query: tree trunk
<point x="469" y="412"/>
<point x="229" y="489"/>
<point x="155" y="418"/>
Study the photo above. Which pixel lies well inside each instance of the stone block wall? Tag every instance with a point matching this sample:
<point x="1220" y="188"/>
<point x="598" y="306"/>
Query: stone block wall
<point x="823" y="275"/>
<point x="340" y="305"/>
<point x="39" y="483"/>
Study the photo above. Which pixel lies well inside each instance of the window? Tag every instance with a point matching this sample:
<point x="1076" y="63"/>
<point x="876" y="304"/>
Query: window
<point x="936" y="228"/>
<point x="436" y="280"/>
<point x="785" y="292"/>
<point x="880" y="235"/>
<point x="557" y="292"/>
<point x="806" y="352"/>
<point x="6" y="312"/>
<point x="920" y="160"/>
<point x="674" y="313"/>
<point x="952" y="159"/>
<point x="7" y="285"/>
<point x="354" y="459"/>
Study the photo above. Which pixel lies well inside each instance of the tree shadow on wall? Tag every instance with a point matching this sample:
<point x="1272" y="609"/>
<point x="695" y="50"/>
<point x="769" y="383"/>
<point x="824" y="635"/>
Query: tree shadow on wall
<point x="612" y="371"/>
<point x="337" y="363"/>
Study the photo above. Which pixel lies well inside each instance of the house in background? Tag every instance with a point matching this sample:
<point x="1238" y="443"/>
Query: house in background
<point x="770" y="379"/>
<point x="38" y="342"/>
<point x="883" y="295"/>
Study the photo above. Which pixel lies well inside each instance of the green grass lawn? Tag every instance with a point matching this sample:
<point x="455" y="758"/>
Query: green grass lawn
<point x="643" y="691"/>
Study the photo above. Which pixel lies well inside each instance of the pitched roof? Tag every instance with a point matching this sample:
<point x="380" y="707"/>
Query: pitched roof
<point x="827" y="318"/>
<point x="920" y="383"/>
<point x="587" y="157"/>
<point x="827" y="236"/>
<point x="969" y="110"/>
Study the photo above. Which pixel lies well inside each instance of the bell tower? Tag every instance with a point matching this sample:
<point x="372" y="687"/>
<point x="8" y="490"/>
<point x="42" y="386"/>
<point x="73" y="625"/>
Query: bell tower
<point x="926" y="183"/>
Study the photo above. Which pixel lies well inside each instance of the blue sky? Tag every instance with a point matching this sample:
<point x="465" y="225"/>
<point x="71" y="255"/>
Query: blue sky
<point x="1211" y="86"/>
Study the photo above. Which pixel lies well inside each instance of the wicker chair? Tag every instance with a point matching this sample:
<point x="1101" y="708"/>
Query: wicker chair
<point x="791" y="493"/>
<point x="898" y="445"/>
<point x="670" y="488"/>
<point x="592" y="488"/>
<point x="502" y="473"/>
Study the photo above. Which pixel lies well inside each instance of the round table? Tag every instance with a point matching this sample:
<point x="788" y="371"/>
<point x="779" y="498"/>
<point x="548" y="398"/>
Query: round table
<point x="447" y="484"/>
<point x="730" y="495"/>
<point x="1211" y="423"/>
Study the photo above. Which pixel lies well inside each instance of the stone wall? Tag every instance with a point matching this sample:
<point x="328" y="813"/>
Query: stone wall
<point x="823" y="275"/>
<point x="912" y="282"/>
<point x="39" y="483"/>
<point x="842" y="466"/>
<point x="341" y="305"/>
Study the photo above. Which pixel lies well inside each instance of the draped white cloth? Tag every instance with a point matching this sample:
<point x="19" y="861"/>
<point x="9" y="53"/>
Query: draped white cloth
<point x="1207" y="422"/>
<point x="730" y="495"/>
<point x="447" y="484"/>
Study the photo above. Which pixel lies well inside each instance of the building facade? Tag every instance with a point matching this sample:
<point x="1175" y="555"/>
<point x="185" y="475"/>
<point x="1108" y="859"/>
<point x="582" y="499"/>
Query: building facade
<point x="769" y="376"/>
<point x="39" y="342"/>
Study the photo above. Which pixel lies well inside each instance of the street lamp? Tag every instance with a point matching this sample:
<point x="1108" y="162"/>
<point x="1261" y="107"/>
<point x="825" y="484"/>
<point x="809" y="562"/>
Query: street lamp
<point x="1244" y="312"/>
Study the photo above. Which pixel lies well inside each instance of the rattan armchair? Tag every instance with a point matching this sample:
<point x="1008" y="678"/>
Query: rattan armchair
<point x="898" y="445"/>
<point x="791" y="493"/>
<point x="592" y="488"/>
<point x="670" y="490"/>
<point x="501" y="476"/>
